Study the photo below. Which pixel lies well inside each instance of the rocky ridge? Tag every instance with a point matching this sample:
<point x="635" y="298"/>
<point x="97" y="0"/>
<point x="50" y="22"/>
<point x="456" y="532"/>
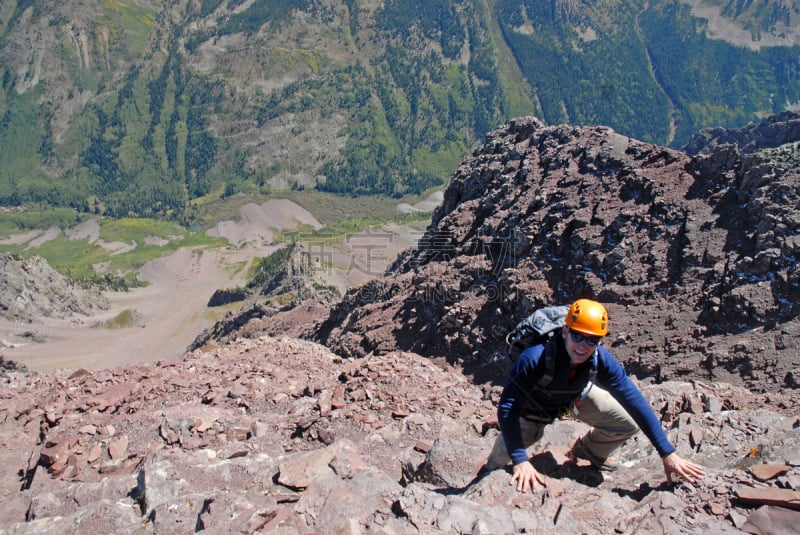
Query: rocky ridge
<point x="274" y="435"/>
<point x="696" y="256"/>
<point x="32" y="289"/>
<point x="291" y="285"/>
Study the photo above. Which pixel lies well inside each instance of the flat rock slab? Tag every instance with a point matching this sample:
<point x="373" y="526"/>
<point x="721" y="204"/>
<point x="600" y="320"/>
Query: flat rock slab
<point x="765" y="472"/>
<point x="770" y="496"/>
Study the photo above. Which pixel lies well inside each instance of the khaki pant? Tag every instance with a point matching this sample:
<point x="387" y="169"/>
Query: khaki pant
<point x="611" y="426"/>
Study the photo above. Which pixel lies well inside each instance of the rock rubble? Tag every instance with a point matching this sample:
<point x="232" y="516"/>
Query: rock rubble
<point x="280" y="435"/>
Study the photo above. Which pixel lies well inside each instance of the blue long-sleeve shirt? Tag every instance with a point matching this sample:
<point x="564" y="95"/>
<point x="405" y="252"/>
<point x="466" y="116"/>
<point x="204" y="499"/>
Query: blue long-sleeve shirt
<point x="520" y="392"/>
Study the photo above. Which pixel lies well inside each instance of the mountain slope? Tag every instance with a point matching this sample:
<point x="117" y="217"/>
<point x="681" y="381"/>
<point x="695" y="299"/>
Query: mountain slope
<point x="650" y="71"/>
<point x="250" y="96"/>
<point x="146" y="108"/>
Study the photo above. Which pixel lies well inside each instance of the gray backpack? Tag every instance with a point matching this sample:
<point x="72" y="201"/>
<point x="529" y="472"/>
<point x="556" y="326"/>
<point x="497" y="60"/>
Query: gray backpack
<point x="537" y="328"/>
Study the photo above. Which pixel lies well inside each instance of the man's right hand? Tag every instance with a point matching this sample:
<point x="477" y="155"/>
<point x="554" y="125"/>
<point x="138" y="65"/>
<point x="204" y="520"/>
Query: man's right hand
<point x="526" y="476"/>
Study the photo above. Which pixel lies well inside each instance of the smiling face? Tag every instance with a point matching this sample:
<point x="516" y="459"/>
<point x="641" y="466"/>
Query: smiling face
<point x="579" y="352"/>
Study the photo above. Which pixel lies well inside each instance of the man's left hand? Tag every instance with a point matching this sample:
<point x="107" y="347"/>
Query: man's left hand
<point x="674" y="464"/>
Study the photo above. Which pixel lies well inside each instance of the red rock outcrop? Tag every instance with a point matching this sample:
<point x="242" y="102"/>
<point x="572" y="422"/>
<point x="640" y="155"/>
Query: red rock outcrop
<point x="695" y="257"/>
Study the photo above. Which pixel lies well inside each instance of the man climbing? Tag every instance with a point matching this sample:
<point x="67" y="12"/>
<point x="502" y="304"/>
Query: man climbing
<point x="572" y="373"/>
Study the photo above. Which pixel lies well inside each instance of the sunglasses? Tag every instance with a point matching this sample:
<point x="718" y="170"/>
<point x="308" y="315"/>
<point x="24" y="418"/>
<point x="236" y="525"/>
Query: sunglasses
<point x="580" y="337"/>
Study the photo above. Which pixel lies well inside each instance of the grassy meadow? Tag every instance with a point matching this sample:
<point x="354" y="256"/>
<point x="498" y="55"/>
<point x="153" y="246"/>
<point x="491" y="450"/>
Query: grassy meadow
<point x="125" y="245"/>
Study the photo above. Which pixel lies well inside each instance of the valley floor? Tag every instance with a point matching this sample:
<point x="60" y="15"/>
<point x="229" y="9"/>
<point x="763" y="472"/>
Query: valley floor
<point x="173" y="306"/>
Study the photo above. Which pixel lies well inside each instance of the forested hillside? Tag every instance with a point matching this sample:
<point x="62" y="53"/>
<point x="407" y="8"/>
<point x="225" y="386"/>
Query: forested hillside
<point x="649" y="70"/>
<point x="151" y="108"/>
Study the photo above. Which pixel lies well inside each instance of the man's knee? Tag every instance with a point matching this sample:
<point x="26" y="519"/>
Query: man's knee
<point x="621" y="424"/>
<point x="630" y="430"/>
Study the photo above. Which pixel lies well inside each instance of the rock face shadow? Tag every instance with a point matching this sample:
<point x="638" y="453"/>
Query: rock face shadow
<point x="547" y="465"/>
<point x="642" y="491"/>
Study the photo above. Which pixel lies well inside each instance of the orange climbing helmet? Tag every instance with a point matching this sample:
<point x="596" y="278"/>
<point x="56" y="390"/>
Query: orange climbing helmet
<point x="588" y="317"/>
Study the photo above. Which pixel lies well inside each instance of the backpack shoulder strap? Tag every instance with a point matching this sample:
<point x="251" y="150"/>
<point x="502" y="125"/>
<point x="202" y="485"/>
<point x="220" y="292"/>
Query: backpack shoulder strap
<point x="549" y="364"/>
